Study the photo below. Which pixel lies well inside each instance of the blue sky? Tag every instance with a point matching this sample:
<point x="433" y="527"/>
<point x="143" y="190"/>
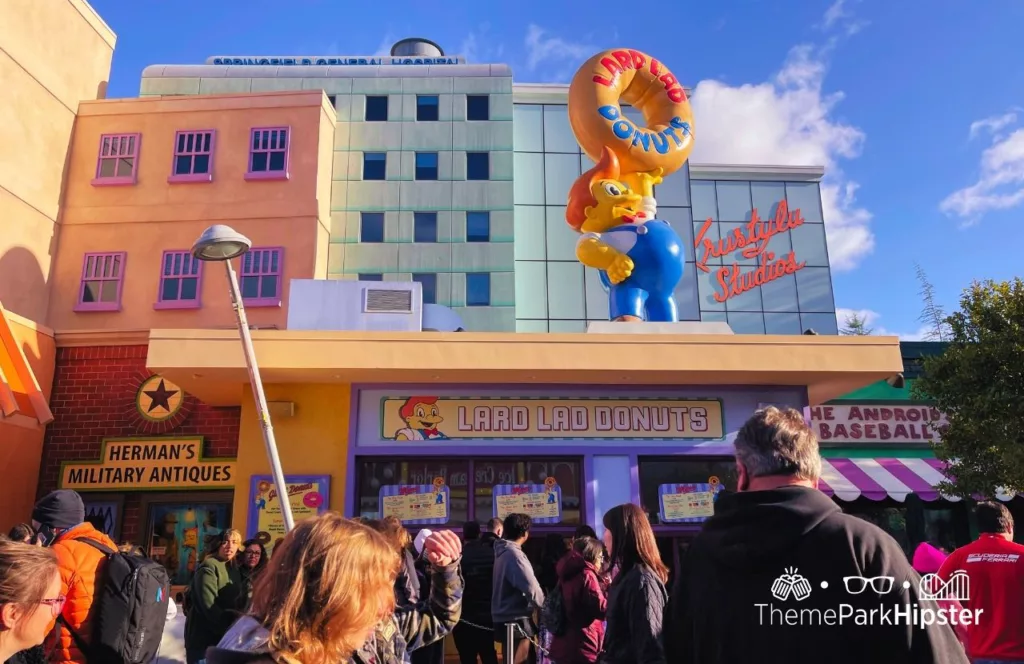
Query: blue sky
<point x="915" y="108"/>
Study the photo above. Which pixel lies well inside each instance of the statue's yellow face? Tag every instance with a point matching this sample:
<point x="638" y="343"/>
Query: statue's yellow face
<point x="616" y="205"/>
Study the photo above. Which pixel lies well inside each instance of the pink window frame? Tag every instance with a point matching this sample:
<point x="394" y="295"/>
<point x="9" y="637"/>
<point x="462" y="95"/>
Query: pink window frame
<point x="179" y="304"/>
<point x="269" y="175"/>
<point x="123" y="179"/>
<point x="279" y="273"/>
<point x="87" y="277"/>
<point x="193" y="177"/>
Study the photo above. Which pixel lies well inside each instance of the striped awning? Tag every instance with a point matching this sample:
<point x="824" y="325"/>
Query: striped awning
<point x="877" y="479"/>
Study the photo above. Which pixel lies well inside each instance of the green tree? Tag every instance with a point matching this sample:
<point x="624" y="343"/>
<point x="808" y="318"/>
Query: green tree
<point x="978" y="384"/>
<point x="856" y="326"/>
<point x="933" y="316"/>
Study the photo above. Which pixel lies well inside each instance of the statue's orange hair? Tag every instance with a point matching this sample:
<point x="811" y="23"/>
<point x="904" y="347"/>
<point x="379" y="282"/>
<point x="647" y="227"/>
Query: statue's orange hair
<point x="580" y="197"/>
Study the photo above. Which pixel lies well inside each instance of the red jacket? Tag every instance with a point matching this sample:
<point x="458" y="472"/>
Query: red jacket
<point x="78" y="563"/>
<point x="585" y="606"/>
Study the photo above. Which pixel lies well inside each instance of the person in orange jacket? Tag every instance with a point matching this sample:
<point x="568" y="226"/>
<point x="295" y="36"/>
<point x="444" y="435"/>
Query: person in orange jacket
<point x="59" y="518"/>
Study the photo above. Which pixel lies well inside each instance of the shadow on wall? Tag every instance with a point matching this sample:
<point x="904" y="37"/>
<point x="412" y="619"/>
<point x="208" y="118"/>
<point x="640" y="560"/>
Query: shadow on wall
<point x="21" y="273"/>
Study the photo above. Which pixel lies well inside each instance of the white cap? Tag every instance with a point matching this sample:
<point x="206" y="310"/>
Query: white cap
<point x="421" y="537"/>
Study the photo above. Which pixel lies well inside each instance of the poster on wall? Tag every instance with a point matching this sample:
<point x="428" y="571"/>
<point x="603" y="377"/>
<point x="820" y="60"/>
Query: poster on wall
<point x="307" y="494"/>
<point x="181" y="534"/>
<point x="417" y="504"/>
<point x="105" y="516"/>
<point x="542" y="502"/>
<point x="687" y="503"/>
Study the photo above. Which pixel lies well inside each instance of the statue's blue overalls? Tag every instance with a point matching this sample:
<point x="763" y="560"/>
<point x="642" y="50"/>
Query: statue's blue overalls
<point x="658" y="263"/>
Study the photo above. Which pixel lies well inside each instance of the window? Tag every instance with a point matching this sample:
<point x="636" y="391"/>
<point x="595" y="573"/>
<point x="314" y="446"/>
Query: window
<point x="426" y="165"/>
<point x="118" y="161"/>
<point x="653" y="472"/>
<point x="193" y="157"/>
<point x="102" y="277"/>
<point x="478" y="289"/>
<point x="374" y="165"/>
<point x="268" y="156"/>
<point x="478" y="227"/>
<point x="428" y="282"/>
<point x="371" y="227"/>
<point x="180" y="277"/>
<point x="427" y="108"/>
<point x="424" y="227"/>
<point x="478" y="107"/>
<point x="376" y="108"/>
<point x="371" y="276"/>
<point x="333" y="99"/>
<point x="261" y="277"/>
<point x="478" y="166"/>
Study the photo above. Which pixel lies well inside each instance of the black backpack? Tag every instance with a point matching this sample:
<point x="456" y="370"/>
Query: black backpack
<point x="552" y="614"/>
<point x="130" y="609"/>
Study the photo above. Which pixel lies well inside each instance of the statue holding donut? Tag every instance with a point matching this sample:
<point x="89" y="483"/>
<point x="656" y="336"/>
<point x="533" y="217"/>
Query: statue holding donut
<point x="640" y="257"/>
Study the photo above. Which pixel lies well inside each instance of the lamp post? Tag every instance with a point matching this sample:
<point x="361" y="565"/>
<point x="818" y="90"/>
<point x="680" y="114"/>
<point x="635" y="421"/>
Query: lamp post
<point x="223" y="243"/>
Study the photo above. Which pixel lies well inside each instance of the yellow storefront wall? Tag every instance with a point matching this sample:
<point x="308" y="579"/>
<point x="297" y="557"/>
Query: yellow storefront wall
<point x="314" y="440"/>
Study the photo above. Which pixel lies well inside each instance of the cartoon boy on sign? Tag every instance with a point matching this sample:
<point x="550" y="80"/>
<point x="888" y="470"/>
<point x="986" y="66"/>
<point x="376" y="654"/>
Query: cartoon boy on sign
<point x="421" y="416"/>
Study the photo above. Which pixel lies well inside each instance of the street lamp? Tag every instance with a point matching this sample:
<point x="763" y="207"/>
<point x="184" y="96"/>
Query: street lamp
<point x="223" y="243"/>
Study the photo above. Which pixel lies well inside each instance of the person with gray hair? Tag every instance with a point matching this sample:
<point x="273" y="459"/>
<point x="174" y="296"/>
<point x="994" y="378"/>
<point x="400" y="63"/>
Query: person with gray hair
<point x="781" y="574"/>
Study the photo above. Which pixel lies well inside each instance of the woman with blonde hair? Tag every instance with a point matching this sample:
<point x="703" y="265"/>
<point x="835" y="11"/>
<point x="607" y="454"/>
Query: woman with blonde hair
<point x="30" y="598"/>
<point x="329" y="599"/>
<point x="216" y="597"/>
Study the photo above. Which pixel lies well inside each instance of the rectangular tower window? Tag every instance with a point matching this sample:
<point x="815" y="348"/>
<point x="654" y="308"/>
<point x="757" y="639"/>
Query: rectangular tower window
<point x="261" y="277"/>
<point x="478" y="289"/>
<point x="375" y="165"/>
<point x="371" y="276"/>
<point x="426" y="165"/>
<point x="427" y="108"/>
<point x="180" y="276"/>
<point x="478" y="227"/>
<point x="193" y="156"/>
<point x="478" y="107"/>
<point x="428" y="282"/>
<point x="371" y="227"/>
<point x="424" y="227"/>
<point x="478" y="166"/>
<point x="376" y="108"/>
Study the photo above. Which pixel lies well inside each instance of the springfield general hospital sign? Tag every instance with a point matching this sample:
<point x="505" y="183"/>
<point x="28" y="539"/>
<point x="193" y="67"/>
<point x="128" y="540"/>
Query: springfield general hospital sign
<point x="327" y="60"/>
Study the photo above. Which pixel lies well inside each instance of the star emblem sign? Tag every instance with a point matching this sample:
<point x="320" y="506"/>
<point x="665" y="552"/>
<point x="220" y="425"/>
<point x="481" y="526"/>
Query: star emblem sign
<point x="159" y="399"/>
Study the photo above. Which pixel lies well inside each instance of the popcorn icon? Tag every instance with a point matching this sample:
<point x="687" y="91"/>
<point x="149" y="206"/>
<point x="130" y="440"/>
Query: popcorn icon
<point x="791" y="584"/>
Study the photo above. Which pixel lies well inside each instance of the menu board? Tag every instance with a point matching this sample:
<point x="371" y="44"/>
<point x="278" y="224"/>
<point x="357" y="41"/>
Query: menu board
<point x="542" y="502"/>
<point x="307" y="494"/>
<point x="418" y="504"/>
<point x="687" y="503"/>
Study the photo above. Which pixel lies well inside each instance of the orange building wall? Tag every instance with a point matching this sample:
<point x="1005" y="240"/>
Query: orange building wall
<point x="53" y="54"/>
<point x="21" y="447"/>
<point x="154" y="215"/>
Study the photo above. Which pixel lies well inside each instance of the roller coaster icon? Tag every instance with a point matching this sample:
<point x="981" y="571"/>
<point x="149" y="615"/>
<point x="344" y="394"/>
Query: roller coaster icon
<point x="958" y="587"/>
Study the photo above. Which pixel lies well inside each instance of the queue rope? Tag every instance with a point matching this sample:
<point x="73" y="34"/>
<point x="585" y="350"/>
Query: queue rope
<point x="526" y="636"/>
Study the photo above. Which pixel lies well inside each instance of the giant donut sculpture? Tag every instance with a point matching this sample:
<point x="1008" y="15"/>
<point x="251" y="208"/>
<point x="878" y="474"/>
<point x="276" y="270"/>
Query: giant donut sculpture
<point x="629" y="76"/>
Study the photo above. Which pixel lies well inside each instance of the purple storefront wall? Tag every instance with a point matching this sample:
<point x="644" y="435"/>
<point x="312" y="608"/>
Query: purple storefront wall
<point x="738" y="403"/>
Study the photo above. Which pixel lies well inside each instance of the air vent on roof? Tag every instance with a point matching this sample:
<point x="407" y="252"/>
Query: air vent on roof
<point x="378" y="301"/>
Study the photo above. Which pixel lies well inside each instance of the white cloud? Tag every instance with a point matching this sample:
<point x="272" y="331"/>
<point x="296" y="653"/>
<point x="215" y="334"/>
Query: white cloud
<point x="993" y="125"/>
<point x="560" y="56"/>
<point x="1000" y="185"/>
<point x="788" y="121"/>
<point x="871" y="318"/>
<point x="837" y="15"/>
<point x="479" y="46"/>
<point x="384" y="48"/>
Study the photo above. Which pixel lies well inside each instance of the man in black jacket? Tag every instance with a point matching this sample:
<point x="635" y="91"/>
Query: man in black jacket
<point x="474" y="635"/>
<point x="780" y="574"/>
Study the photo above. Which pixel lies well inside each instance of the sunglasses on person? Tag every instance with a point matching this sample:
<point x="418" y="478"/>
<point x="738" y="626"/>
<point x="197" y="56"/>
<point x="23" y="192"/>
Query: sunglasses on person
<point x="56" y="605"/>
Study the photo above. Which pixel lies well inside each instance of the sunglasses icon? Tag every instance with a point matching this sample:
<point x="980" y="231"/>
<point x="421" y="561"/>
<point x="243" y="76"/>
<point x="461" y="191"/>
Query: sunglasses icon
<point x="855" y="585"/>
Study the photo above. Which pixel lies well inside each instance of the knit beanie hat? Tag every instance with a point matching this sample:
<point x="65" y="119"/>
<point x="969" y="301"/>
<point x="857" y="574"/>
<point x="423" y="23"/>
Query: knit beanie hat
<point x="60" y="509"/>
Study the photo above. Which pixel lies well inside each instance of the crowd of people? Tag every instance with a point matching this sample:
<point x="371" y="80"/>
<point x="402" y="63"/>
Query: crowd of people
<point x="769" y="579"/>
